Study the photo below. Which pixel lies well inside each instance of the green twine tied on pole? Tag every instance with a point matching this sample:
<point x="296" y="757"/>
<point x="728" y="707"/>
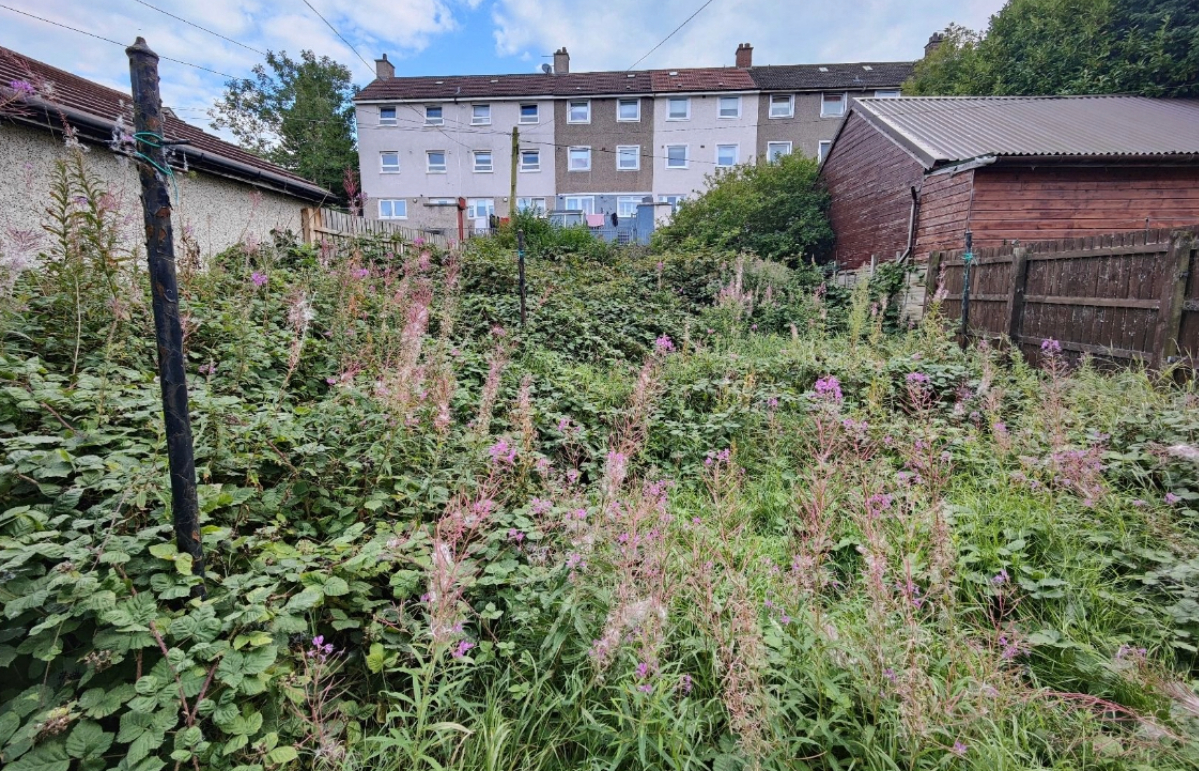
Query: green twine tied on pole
<point x="155" y="140"/>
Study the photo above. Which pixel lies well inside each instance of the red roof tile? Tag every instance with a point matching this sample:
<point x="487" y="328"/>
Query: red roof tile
<point x="703" y="79"/>
<point x="72" y="92"/>
<point x="527" y="85"/>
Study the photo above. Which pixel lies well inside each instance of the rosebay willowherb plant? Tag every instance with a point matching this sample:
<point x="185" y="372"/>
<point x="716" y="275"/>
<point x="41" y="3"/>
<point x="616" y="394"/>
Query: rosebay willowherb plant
<point x="612" y="539"/>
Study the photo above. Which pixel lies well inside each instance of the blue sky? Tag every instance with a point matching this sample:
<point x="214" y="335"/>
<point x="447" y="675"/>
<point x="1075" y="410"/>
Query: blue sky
<point x="445" y="37"/>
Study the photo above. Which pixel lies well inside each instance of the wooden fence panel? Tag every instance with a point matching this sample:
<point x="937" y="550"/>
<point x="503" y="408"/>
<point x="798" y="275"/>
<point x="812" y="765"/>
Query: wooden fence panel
<point x="326" y="224"/>
<point x="1124" y="296"/>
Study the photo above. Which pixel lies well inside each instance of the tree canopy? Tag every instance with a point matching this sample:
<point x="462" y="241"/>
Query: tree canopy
<point x="775" y="210"/>
<point x="298" y="114"/>
<point x="1039" y="47"/>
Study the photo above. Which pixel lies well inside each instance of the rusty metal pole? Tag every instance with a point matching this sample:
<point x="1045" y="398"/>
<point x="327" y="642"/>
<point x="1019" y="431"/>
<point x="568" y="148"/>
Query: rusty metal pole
<point x="967" y="258"/>
<point x="152" y="170"/>
<point x="520" y="267"/>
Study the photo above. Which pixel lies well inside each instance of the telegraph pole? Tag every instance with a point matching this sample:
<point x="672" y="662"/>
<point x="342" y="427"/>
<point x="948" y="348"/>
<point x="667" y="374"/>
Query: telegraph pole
<point x="515" y="164"/>
<point x="152" y="170"/>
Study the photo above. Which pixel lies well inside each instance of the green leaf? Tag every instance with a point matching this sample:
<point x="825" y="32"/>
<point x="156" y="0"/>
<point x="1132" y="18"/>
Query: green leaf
<point x="281" y="755"/>
<point x="88" y="740"/>
<point x="335" y="587"/>
<point x="44" y="757"/>
<point x="376" y="658"/>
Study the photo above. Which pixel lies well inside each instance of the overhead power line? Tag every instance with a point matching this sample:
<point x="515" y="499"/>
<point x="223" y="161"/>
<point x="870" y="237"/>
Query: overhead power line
<point x="110" y="40"/>
<point x="668" y="37"/>
<point x="203" y="29"/>
<point x="339" y="35"/>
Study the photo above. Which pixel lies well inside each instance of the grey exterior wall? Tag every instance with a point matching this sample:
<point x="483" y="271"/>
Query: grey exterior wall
<point x="805" y="129"/>
<point x="604" y="204"/>
<point x="603" y="134"/>
<point x="212" y="213"/>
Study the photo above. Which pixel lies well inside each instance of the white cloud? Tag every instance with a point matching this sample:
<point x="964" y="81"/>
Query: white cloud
<point x="612" y="35"/>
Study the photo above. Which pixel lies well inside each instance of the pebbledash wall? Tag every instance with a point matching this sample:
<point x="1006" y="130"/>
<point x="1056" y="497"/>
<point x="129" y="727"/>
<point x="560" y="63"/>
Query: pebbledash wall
<point x="212" y="213"/>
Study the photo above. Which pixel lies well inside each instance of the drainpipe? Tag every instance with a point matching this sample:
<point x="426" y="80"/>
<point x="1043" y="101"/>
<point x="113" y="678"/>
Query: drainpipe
<point x="915" y="211"/>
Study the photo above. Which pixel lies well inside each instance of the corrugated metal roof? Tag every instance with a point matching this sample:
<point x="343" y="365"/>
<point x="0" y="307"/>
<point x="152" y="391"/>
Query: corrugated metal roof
<point x="942" y="130"/>
<point x="828" y="77"/>
<point x="59" y="87"/>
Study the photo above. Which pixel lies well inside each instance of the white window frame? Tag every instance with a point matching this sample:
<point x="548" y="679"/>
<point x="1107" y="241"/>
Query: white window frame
<point x="673" y="200"/>
<point x="474" y="161"/>
<point x="472" y="208"/>
<point x="391" y="120"/>
<point x="772" y="156"/>
<point x="686" y="157"/>
<point x="589" y="208"/>
<point x="525" y="167"/>
<point x="475" y="120"/>
<point x="383" y="165"/>
<point x="622" y="150"/>
<point x="531" y="205"/>
<point x="391" y="204"/>
<point x="720" y="108"/>
<point x="686" y="100"/>
<point x="536" y="118"/>
<point x="626" y="199"/>
<point x="439" y="121"/>
<point x="844" y="104"/>
<point x="570" y="166"/>
<point x="790" y="113"/>
<point x="432" y="168"/>
<point x="570" y="106"/>
<point x="636" y="103"/>
<point x="888" y="93"/>
<point x="822" y="149"/>
<point x="736" y="155"/>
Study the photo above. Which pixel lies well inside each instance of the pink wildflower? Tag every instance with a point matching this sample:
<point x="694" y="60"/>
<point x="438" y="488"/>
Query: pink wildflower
<point x="258" y="278"/>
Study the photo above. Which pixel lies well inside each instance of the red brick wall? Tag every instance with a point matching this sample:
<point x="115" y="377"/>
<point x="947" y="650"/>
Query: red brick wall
<point x="869" y="177"/>
<point x="1047" y="203"/>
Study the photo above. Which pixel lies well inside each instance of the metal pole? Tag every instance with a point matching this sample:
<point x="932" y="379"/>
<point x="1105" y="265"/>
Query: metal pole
<point x="160" y="253"/>
<point x="520" y="267"/>
<point x="967" y="258"/>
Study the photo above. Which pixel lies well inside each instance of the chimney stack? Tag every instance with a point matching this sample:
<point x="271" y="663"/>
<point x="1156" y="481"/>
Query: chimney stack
<point x="745" y="56"/>
<point x="384" y="70"/>
<point x="934" y="42"/>
<point x="561" y="61"/>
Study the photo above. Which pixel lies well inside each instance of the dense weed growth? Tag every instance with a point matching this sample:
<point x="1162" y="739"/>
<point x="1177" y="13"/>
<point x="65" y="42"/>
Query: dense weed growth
<point x="690" y="518"/>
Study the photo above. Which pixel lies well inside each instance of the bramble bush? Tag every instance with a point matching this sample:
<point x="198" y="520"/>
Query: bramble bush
<point x="612" y="539"/>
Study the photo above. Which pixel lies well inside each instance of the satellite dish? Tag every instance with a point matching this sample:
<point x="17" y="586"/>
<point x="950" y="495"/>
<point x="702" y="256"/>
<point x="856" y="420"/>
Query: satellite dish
<point x="547" y="69"/>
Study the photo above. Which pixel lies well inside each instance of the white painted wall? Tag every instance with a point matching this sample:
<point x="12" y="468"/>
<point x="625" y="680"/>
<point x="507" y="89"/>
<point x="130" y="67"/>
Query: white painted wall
<point x="701" y="133"/>
<point x="458" y="138"/>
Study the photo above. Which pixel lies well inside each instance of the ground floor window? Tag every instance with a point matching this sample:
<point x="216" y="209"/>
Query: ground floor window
<point x="393" y="209"/>
<point x="583" y="203"/>
<point x="673" y="200"/>
<point x="531" y="205"/>
<point x="626" y="205"/>
<point x="479" y="208"/>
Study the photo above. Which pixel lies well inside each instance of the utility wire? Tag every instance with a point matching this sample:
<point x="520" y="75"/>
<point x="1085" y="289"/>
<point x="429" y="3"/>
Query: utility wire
<point x="110" y="40"/>
<point x="668" y="37"/>
<point x="203" y="29"/>
<point x="339" y="35"/>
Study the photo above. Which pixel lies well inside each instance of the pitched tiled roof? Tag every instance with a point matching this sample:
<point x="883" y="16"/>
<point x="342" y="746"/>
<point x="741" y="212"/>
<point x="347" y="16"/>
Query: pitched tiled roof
<point x="484" y="86"/>
<point x="940" y="130"/>
<point x="817" y="77"/>
<point x="703" y="79"/>
<point x="55" y="87"/>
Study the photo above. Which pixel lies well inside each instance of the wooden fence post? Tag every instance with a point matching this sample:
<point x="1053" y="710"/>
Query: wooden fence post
<point x="306" y="224"/>
<point x="930" y="277"/>
<point x="1015" y="298"/>
<point x="1169" y="315"/>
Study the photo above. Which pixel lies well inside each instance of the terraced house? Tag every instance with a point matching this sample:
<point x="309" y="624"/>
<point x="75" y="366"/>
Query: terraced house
<point x="598" y="142"/>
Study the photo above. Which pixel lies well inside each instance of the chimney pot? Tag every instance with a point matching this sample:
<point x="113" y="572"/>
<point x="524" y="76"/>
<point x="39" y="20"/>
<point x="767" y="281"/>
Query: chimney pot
<point x="745" y="56"/>
<point x="934" y="42"/>
<point x="561" y="61"/>
<point x="384" y="70"/>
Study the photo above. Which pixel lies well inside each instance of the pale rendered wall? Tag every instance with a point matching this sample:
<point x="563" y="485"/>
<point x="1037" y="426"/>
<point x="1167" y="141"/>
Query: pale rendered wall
<point x="212" y="211"/>
<point x="701" y="133"/>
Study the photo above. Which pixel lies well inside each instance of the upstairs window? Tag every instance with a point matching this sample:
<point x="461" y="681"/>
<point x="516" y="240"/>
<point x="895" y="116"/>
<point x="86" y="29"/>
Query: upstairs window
<point x="678" y="108"/>
<point x="530" y="160"/>
<point x="776" y="150"/>
<point x="832" y="105"/>
<point x="433" y="116"/>
<point x="578" y="112"/>
<point x="726" y="156"/>
<point x="782" y="106"/>
<point x="891" y="93"/>
<point x="822" y="150"/>
<point x="676" y="156"/>
<point x="628" y="157"/>
<point x="435" y="162"/>
<point x="480" y="114"/>
<point x="529" y="113"/>
<point x="628" y="110"/>
<point x="730" y="107"/>
<point x="389" y="162"/>
<point x="387" y="116"/>
<point x="580" y="159"/>
<point x="483" y="161"/>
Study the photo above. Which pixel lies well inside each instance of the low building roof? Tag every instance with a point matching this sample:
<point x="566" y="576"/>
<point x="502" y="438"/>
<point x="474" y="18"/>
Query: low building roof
<point x="944" y="130"/>
<point x="82" y="101"/>
<point x="831" y="77"/>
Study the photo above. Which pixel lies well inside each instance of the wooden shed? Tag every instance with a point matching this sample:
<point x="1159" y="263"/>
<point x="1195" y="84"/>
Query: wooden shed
<point x="911" y="176"/>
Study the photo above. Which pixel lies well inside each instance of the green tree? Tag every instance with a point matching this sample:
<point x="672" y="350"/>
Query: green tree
<point x="1036" y="47"/>
<point x="298" y="114"/>
<point x="776" y="210"/>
